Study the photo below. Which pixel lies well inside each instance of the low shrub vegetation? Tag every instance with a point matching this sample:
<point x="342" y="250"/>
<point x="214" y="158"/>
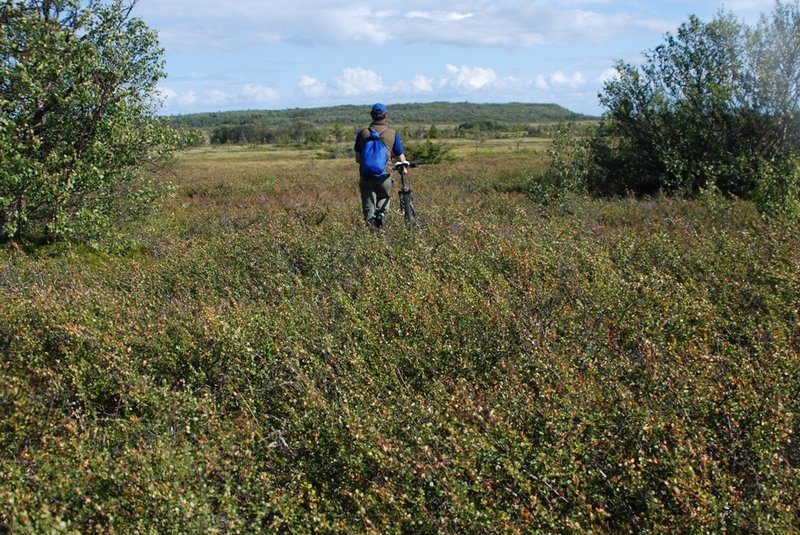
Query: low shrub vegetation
<point x="254" y="360"/>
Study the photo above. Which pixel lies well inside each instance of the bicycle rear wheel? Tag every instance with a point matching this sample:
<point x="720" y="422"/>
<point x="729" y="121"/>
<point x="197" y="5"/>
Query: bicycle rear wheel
<point x="407" y="207"/>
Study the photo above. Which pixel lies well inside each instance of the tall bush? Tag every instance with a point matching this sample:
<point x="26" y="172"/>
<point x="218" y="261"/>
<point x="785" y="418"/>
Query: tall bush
<point x="711" y="108"/>
<point x="429" y="152"/>
<point x="77" y="86"/>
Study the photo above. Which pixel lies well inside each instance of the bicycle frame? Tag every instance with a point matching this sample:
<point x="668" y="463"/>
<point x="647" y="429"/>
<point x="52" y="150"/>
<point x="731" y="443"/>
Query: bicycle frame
<point x="405" y="194"/>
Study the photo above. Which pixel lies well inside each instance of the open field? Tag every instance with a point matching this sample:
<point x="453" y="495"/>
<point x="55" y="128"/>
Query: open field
<point x="253" y="360"/>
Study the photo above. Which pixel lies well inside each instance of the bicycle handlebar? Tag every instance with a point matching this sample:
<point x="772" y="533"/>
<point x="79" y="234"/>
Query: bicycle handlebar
<point x="399" y="165"/>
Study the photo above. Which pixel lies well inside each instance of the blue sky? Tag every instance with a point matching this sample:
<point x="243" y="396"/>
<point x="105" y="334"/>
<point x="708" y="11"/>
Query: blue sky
<point x="247" y="54"/>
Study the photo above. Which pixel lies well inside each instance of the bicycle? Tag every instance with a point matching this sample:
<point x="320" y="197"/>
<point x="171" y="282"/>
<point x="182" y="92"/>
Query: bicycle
<point x="405" y="193"/>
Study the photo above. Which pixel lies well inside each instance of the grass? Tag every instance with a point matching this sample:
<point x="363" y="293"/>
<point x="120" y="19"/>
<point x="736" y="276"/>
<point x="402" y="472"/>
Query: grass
<point x="524" y="147"/>
<point x="253" y="359"/>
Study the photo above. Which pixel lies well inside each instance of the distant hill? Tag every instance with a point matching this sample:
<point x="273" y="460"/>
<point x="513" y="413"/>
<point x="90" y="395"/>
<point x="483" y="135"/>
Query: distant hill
<point x="428" y="113"/>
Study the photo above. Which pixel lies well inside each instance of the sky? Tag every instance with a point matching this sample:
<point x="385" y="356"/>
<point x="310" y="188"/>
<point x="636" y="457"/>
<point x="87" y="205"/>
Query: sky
<point x="226" y="55"/>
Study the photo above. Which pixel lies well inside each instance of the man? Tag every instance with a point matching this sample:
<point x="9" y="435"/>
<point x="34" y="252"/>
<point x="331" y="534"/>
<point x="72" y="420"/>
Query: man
<point x="375" y="183"/>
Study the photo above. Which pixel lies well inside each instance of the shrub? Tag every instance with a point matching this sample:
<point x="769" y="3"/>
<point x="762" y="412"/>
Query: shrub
<point x="567" y="168"/>
<point x="777" y="191"/>
<point x="428" y="152"/>
<point x="708" y="109"/>
<point x="77" y="99"/>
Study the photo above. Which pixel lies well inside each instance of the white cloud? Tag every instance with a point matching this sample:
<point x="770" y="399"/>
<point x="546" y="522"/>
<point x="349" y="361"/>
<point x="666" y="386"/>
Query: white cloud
<point x="422" y="84"/>
<point x="207" y="35"/>
<point x="171" y="97"/>
<point x="259" y="93"/>
<point x="541" y="83"/>
<point x="357" y="24"/>
<point x="575" y="80"/>
<point x="187" y="99"/>
<point x="469" y="77"/>
<point x="216" y="97"/>
<point x="560" y="81"/>
<point x="166" y="94"/>
<point x="438" y="16"/>
<point x="311" y="87"/>
<point x="508" y="23"/>
<point x="358" y="81"/>
<point x="212" y="24"/>
<point x="245" y="96"/>
<point x="606" y="75"/>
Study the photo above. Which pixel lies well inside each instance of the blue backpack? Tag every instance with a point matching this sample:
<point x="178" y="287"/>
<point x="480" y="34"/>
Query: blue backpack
<point x="374" y="156"/>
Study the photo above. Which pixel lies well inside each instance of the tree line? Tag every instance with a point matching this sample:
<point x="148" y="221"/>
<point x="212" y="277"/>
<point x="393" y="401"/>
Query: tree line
<point x="452" y="113"/>
<point x="306" y="133"/>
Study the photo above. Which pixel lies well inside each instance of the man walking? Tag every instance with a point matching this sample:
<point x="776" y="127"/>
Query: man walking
<point x="374" y="147"/>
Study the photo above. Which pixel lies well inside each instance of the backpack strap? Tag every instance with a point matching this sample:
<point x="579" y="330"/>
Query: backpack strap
<point x="380" y="132"/>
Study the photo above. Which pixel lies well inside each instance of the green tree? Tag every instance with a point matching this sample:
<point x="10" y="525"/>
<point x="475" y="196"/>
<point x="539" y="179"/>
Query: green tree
<point x="77" y="94"/>
<point x="433" y="132"/>
<point x="713" y="107"/>
<point x="339" y="132"/>
<point x="672" y="114"/>
<point x="774" y="58"/>
<point x="428" y="152"/>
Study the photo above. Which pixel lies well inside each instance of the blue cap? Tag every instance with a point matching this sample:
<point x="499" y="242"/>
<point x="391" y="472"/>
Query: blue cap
<point x="378" y="109"/>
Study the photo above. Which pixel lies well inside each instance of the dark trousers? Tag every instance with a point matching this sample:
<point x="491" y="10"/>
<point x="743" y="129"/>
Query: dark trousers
<point x="375" y="197"/>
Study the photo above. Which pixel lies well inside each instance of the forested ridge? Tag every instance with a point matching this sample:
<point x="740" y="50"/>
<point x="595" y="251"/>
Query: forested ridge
<point x="427" y="113"/>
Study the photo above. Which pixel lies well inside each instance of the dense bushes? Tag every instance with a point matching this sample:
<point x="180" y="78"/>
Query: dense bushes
<point x="254" y="360"/>
<point x="715" y="107"/>
<point x="76" y="106"/>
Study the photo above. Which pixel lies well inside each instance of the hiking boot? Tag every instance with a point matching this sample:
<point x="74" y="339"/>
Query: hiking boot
<point x="379" y="219"/>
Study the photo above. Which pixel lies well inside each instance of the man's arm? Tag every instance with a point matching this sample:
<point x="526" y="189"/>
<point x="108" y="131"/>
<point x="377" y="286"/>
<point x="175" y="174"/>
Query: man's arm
<point x="357" y="149"/>
<point x="397" y="149"/>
